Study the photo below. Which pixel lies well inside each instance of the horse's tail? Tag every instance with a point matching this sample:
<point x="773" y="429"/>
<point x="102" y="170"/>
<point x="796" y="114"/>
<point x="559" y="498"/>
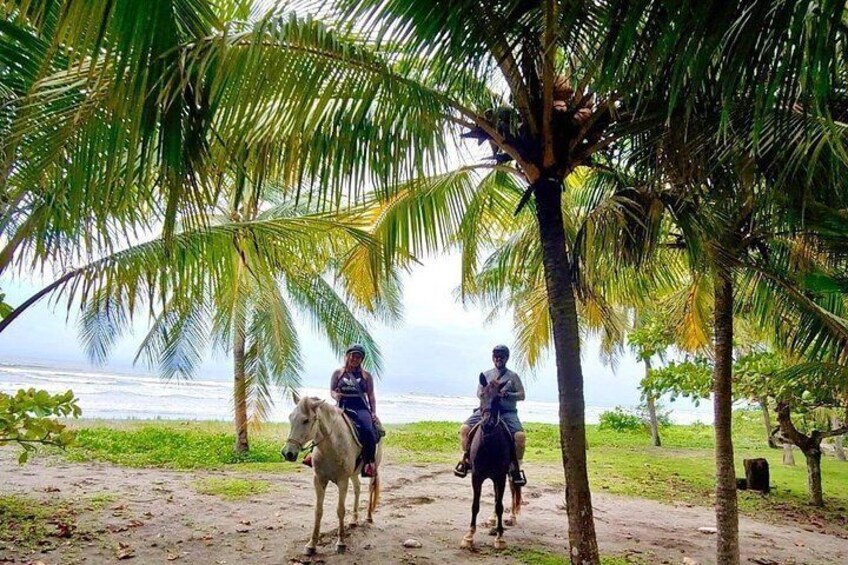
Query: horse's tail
<point x="374" y="493"/>
<point x="516" y="497"/>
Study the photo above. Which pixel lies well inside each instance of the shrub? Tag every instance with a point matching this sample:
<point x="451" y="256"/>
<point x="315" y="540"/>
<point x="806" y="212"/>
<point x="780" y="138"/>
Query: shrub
<point x="621" y="420"/>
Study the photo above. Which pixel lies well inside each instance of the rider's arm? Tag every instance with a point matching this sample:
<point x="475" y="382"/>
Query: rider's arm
<point x="517" y="392"/>
<point x="334" y="385"/>
<point x="372" y="399"/>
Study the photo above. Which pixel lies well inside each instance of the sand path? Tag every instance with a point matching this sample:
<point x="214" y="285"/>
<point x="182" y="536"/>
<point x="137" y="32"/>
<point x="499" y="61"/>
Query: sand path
<point x="155" y="516"/>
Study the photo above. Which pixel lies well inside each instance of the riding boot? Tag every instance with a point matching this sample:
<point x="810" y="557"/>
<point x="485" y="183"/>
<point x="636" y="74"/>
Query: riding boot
<point x="516" y="474"/>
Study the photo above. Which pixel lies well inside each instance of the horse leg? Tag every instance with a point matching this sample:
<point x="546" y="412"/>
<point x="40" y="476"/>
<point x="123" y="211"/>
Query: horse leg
<point x="320" y="490"/>
<point x="341" y="546"/>
<point x="500" y="487"/>
<point x="515" y="495"/>
<point x="356" y="490"/>
<point x="477" y="486"/>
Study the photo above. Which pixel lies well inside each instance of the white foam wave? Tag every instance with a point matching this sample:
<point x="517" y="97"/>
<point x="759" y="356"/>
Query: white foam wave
<point x="114" y="395"/>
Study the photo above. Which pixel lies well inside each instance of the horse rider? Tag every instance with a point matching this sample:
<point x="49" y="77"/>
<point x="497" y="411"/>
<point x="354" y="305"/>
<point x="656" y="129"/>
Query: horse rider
<point x="510" y="395"/>
<point x="353" y="389"/>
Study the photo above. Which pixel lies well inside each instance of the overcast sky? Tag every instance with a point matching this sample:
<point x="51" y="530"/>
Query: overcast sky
<point x="439" y="348"/>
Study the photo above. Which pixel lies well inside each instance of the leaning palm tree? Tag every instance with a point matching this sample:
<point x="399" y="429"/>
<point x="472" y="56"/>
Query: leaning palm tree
<point x="235" y="285"/>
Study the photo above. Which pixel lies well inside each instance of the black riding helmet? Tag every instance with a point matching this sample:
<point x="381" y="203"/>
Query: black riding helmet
<point x="356" y="348"/>
<point x="502" y="350"/>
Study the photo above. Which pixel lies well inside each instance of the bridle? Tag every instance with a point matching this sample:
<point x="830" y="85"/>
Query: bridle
<point x="308" y="446"/>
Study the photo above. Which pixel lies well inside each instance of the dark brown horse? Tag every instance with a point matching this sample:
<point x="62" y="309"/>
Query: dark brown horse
<point x="491" y="453"/>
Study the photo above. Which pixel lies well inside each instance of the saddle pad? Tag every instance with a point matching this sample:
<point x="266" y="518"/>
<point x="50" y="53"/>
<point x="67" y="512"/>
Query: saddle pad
<point x="347" y="419"/>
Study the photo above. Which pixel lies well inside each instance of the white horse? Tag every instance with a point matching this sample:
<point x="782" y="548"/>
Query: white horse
<point x="334" y="458"/>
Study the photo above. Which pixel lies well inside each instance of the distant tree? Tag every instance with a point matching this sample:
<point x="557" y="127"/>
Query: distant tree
<point x="650" y="338"/>
<point x="799" y="390"/>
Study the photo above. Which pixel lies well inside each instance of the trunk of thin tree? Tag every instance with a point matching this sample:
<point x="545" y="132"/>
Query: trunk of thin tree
<point x="810" y="446"/>
<point x="240" y="387"/>
<point x="563" y="312"/>
<point x="239" y="376"/>
<point x="814" y="482"/>
<point x="727" y="519"/>
<point x="788" y="454"/>
<point x="652" y="411"/>
<point x="839" y="450"/>
<point x="767" y="422"/>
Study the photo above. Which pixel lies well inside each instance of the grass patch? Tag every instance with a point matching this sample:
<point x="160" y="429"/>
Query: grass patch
<point x="101" y="500"/>
<point x="28" y="525"/>
<point x="231" y="488"/>
<point x="535" y="556"/>
<point x="175" y="445"/>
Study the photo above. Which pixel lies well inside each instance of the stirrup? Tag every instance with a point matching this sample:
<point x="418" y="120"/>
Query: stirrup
<point x="461" y="469"/>
<point x="518" y="478"/>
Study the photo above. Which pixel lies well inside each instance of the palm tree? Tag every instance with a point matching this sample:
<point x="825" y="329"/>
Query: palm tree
<point x="235" y="285"/>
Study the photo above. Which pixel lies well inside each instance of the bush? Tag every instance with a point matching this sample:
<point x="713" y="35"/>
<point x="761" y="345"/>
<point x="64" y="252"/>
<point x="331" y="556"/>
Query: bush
<point x="621" y="420"/>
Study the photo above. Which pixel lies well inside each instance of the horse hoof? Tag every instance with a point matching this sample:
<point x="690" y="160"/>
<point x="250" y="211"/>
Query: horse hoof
<point x="353" y="525"/>
<point x="499" y="543"/>
<point x="510" y="522"/>
<point x="466" y="544"/>
<point x="309" y="551"/>
<point x="341" y="548"/>
<point x="369" y="519"/>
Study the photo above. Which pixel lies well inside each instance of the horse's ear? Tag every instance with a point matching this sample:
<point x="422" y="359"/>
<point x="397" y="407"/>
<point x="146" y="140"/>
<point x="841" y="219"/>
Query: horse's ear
<point x="483" y="381"/>
<point x="295" y="396"/>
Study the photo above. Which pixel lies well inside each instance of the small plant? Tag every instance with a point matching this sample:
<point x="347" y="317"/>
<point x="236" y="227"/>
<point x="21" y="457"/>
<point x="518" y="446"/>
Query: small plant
<point x="621" y="420"/>
<point x="27" y="418"/>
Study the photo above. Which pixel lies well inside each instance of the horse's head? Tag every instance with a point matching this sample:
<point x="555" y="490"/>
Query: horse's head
<point x="303" y="422"/>
<point x="490" y="398"/>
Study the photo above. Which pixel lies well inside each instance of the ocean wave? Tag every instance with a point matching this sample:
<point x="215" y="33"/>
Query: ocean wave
<point x="113" y="395"/>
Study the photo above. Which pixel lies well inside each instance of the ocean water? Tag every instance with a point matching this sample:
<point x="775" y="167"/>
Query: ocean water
<point x="128" y="396"/>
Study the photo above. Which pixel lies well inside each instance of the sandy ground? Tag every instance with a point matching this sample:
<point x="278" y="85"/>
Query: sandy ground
<point x="158" y="516"/>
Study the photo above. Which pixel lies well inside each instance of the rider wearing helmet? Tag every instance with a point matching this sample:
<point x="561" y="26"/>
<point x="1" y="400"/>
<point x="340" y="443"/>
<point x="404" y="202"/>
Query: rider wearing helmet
<point x="353" y="388"/>
<point x="511" y="394"/>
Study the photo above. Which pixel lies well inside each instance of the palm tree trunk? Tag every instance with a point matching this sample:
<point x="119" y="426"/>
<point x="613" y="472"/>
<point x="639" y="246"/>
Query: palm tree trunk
<point x="839" y="450"/>
<point x="240" y="384"/>
<point x="572" y="426"/>
<point x="652" y="412"/>
<point x="727" y="519"/>
<point x="767" y="423"/>
<point x="814" y="482"/>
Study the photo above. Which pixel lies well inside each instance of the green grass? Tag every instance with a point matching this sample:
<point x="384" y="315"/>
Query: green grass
<point x="175" y="445"/>
<point x="231" y="488"/>
<point x="101" y="500"/>
<point x="31" y="525"/>
<point x="619" y="462"/>
<point x="537" y="556"/>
